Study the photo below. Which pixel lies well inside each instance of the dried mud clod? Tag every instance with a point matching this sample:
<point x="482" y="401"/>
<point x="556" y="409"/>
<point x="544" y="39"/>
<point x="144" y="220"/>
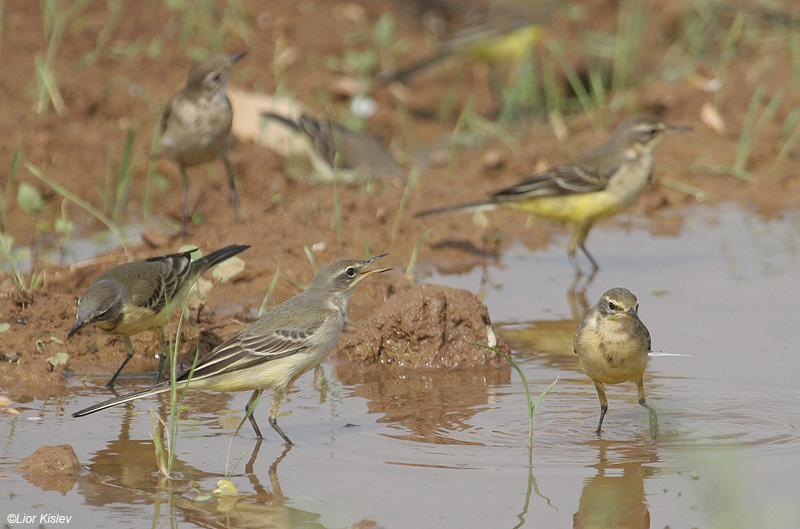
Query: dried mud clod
<point x="51" y="468"/>
<point x="427" y="326"/>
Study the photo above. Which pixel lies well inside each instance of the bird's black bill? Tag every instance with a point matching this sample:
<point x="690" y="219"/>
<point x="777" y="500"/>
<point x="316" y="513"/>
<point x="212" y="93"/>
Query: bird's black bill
<point x="373" y="259"/>
<point x="75" y="328"/>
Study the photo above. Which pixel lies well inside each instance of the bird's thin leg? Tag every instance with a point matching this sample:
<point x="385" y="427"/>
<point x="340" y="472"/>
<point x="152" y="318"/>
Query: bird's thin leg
<point x="578" y="240"/>
<point x="126" y="342"/>
<point x="277" y="396"/>
<point x="184" y="207"/>
<point x="163" y="351"/>
<point x="575" y="265"/>
<point x="578" y="236"/>
<point x="252" y="416"/>
<point x="595" y="268"/>
<point x="232" y="184"/>
<point x="601" y="393"/>
<point x="650" y="410"/>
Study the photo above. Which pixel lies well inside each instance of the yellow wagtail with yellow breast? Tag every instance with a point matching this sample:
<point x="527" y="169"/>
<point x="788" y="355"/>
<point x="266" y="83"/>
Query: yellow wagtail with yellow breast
<point x="492" y="32"/>
<point x="613" y="346"/>
<point x="596" y="185"/>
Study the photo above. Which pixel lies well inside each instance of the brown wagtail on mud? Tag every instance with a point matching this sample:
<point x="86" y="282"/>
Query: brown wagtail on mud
<point x="140" y="296"/>
<point x="196" y="124"/>
<point x="273" y="352"/>
<point x="598" y="184"/>
<point x="613" y="346"/>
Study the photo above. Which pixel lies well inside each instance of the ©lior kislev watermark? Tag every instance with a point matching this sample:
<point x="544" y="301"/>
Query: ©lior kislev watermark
<point x="41" y="518"/>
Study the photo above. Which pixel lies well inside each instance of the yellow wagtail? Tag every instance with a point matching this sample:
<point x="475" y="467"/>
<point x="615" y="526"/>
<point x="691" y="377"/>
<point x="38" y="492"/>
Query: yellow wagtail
<point x="273" y="352"/>
<point x="493" y="32"/>
<point x="613" y="345"/>
<point x="196" y="123"/>
<point x="332" y="147"/>
<point x="598" y="184"/>
<point x="139" y="296"/>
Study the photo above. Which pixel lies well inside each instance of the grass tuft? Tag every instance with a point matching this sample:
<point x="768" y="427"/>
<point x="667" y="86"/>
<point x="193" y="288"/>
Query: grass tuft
<point x="532" y="405"/>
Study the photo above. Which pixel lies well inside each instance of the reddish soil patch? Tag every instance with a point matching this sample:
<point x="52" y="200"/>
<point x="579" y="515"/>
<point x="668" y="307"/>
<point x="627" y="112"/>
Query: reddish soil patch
<point x="428" y="327"/>
<point x="51" y="468"/>
<point x="116" y="79"/>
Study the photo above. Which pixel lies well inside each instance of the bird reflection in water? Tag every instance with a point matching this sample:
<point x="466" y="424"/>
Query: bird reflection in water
<point x="615" y="496"/>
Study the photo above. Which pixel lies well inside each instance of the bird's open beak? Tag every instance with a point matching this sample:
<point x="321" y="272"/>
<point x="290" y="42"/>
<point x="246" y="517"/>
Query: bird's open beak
<point x="75" y="328"/>
<point x="365" y="273"/>
<point x="236" y="56"/>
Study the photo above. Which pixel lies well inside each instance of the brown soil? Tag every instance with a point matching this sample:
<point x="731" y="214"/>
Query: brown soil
<point x="110" y="83"/>
<point x="429" y="327"/>
<point x="51" y="468"/>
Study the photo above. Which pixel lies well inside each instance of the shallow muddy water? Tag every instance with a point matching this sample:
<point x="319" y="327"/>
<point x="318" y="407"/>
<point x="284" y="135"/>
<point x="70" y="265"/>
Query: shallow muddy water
<point x="449" y="449"/>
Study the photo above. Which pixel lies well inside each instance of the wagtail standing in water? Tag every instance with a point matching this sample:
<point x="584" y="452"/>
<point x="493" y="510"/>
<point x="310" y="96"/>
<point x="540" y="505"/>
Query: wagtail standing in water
<point x="613" y="346"/>
<point x="273" y="352"/>
<point x="598" y="184"/>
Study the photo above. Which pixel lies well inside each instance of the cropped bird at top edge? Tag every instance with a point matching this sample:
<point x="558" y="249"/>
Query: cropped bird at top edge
<point x="273" y="352"/>
<point x="596" y="185"/>
<point x="196" y="123"/>
<point x="493" y="32"/>
<point x="334" y="148"/>
<point x="613" y="346"/>
<point x="140" y="296"/>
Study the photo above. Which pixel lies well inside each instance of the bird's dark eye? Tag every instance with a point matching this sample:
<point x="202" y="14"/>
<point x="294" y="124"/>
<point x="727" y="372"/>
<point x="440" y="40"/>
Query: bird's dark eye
<point x="653" y="131"/>
<point x="612" y="305"/>
<point x="350" y="271"/>
<point x="215" y="77"/>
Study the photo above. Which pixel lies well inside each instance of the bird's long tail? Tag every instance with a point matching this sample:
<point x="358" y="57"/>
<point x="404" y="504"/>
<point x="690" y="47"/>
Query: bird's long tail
<point x="146" y="392"/>
<point x="404" y="74"/>
<point x="472" y="206"/>
<point x="217" y="256"/>
<point x="292" y="124"/>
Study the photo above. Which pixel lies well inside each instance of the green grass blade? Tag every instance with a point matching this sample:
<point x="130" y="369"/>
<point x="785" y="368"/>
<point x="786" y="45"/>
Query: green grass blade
<point x="64" y="192"/>
<point x="411" y="182"/>
<point x="745" y="140"/>
<point x="12" y="174"/>
<point x="248" y="413"/>
<point x="415" y="252"/>
<point x="271" y="288"/>
<point x="532" y="405"/>
<point x="124" y="173"/>
<point x="542" y="395"/>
